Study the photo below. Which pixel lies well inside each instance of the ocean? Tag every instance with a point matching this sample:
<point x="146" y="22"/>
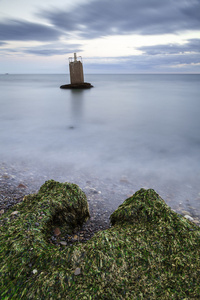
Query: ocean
<point x="128" y="132"/>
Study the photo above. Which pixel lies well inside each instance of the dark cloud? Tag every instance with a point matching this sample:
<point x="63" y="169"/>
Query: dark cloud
<point x="44" y="50"/>
<point x="2" y="43"/>
<point x="162" y="61"/>
<point x="51" y="49"/>
<point x="101" y="18"/>
<point x="8" y="51"/>
<point x="14" y="30"/>
<point x="191" y="46"/>
<point x="146" y="63"/>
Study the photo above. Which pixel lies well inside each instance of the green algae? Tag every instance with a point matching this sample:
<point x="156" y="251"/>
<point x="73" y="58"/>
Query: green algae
<point x="150" y="252"/>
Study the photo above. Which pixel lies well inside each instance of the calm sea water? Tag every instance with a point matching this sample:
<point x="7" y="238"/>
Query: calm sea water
<point x="141" y="129"/>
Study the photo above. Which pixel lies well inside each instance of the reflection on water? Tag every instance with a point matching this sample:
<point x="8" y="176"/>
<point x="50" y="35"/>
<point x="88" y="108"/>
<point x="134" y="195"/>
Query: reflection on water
<point x="77" y="106"/>
<point x="142" y="127"/>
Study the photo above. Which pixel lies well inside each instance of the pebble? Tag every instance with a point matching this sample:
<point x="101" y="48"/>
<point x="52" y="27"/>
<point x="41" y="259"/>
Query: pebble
<point x="77" y="271"/>
<point x="124" y="179"/>
<point x="189" y="218"/>
<point x="1" y="211"/>
<point x="14" y="213"/>
<point x="196" y="221"/>
<point x="57" y="231"/>
<point x="63" y="243"/>
<point x="184" y="212"/>
<point x="22" y="186"/>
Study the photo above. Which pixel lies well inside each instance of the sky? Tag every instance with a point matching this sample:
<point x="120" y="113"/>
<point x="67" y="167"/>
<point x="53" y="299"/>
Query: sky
<point x="116" y="37"/>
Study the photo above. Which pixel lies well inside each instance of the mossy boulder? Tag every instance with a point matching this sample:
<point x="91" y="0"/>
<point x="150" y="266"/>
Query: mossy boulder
<point x="145" y="206"/>
<point x="55" y="205"/>
<point x="150" y="252"/>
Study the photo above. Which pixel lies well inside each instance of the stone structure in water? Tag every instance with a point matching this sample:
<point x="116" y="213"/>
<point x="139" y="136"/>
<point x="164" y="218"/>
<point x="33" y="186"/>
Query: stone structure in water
<point x="76" y="75"/>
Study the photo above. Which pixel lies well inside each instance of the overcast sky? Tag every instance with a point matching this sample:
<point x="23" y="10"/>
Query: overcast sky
<point x="119" y="36"/>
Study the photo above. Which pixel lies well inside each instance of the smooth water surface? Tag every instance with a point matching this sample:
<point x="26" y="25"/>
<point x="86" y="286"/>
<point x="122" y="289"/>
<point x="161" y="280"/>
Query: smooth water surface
<point x="144" y="128"/>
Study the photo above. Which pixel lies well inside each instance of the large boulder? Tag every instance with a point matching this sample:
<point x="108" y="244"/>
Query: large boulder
<point x="150" y="252"/>
<point x="145" y="206"/>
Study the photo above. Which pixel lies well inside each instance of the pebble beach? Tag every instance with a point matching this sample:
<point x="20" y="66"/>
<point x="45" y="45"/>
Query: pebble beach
<point x="16" y="182"/>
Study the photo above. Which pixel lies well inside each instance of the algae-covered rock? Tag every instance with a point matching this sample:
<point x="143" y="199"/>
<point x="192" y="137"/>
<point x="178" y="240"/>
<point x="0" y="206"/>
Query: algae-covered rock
<point x="150" y="252"/>
<point x="25" y="230"/>
<point x="56" y="204"/>
<point x="143" y="206"/>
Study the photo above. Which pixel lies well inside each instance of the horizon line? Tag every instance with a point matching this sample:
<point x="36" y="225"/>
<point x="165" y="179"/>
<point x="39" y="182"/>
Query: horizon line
<point x="145" y="73"/>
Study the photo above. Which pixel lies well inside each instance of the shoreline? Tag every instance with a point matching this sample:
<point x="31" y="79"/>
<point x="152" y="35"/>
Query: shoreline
<point x="14" y="185"/>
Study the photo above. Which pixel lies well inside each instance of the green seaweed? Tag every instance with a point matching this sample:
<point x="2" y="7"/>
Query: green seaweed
<point x="150" y="252"/>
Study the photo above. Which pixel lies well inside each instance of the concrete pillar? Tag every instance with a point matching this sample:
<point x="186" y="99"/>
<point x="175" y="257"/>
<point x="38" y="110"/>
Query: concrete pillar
<point x="76" y="71"/>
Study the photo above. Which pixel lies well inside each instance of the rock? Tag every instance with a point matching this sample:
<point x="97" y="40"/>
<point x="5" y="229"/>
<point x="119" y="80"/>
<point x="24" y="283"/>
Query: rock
<point x="189" y="218"/>
<point x="94" y="191"/>
<point x="22" y="186"/>
<point x="1" y="211"/>
<point x="77" y="271"/>
<point x="85" y="85"/>
<point x="63" y="243"/>
<point x="57" y="231"/>
<point x="184" y="212"/>
<point x="124" y="179"/>
<point x="14" y="213"/>
<point x="150" y="250"/>
<point x="143" y="206"/>
<point x="196" y="221"/>
<point x="6" y="176"/>
<point x="68" y="203"/>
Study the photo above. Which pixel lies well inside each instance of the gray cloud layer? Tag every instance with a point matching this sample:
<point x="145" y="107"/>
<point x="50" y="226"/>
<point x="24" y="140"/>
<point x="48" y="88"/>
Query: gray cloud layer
<point x="192" y="46"/>
<point x="144" y="63"/>
<point x="103" y="18"/>
<point x="100" y="18"/>
<point x="52" y="49"/>
<point x="14" y="30"/>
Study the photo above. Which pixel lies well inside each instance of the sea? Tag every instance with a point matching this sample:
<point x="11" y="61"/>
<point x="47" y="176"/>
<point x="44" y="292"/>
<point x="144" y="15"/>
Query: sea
<point x="127" y="132"/>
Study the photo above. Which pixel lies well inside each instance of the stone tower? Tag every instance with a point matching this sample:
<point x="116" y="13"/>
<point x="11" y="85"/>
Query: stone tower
<point x="76" y="70"/>
<point x="76" y="75"/>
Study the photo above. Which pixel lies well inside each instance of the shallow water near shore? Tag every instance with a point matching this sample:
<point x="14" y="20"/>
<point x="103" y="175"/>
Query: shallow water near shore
<point x="128" y="132"/>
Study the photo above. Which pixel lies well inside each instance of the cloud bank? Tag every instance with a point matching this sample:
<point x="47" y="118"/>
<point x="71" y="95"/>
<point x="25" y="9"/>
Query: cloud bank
<point x="146" y="17"/>
<point x="15" y="30"/>
<point x="62" y="31"/>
